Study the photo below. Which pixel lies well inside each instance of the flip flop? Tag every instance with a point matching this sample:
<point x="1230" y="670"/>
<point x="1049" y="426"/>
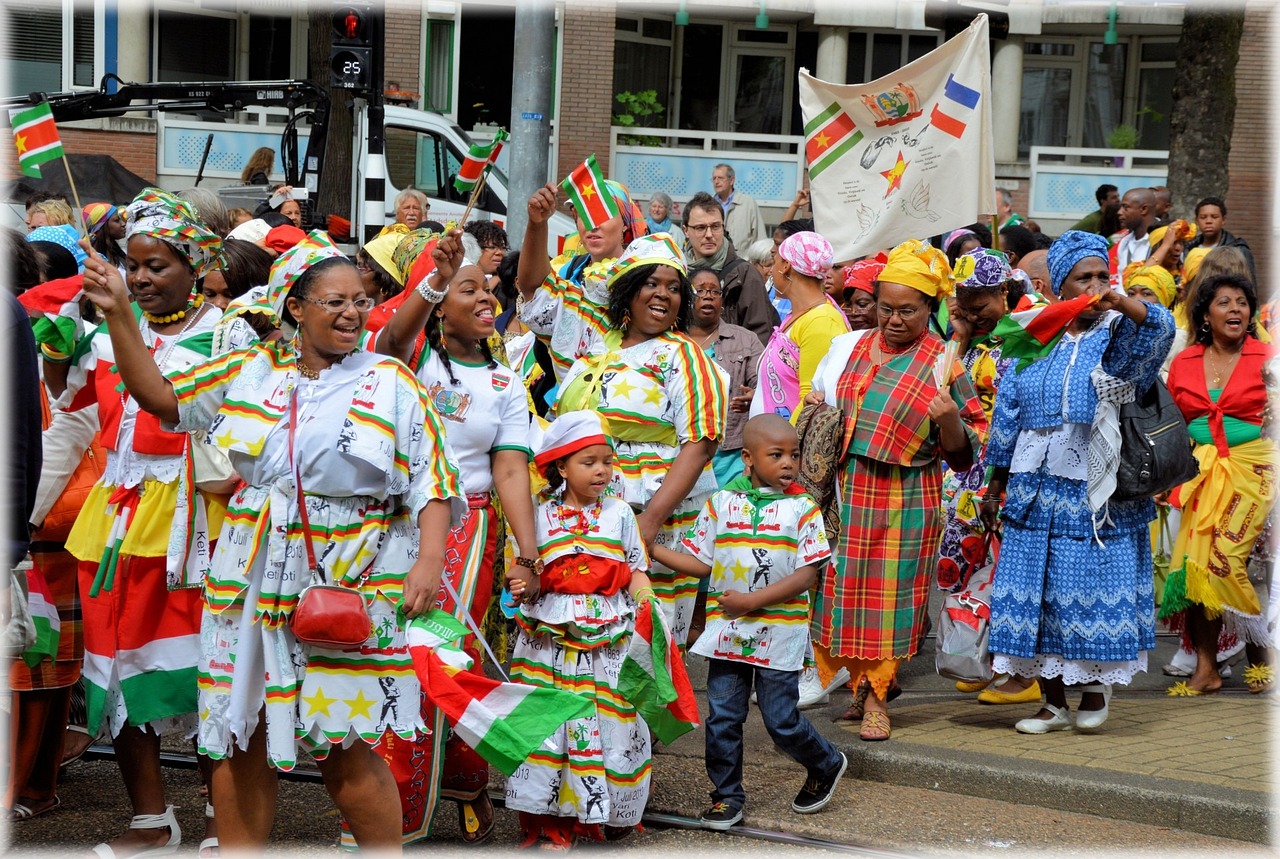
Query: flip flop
<point x="22" y="811"/>
<point x="1260" y="677"/>
<point x="475" y="831"/>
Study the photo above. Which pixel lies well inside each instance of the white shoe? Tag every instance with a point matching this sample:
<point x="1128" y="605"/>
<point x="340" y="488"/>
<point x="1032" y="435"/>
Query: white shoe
<point x="1091" y="720"/>
<point x="841" y="678"/>
<point x="812" y="694"/>
<point x="1061" y="721"/>
<point x="1183" y="664"/>
<point x="150" y="821"/>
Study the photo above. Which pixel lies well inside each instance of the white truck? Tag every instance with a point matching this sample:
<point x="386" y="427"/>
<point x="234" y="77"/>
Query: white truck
<point x="393" y="147"/>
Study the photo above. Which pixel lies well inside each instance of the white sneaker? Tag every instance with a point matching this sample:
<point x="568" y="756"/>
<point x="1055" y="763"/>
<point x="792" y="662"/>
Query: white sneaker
<point x="1183" y="664"/>
<point x="840" y="679"/>
<point x="812" y="693"/>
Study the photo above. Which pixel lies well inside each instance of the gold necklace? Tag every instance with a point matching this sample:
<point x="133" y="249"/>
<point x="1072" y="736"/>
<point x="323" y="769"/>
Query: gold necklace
<point x="306" y="372"/>
<point x="193" y="304"/>
<point x="1218" y="371"/>
<point x="708" y="338"/>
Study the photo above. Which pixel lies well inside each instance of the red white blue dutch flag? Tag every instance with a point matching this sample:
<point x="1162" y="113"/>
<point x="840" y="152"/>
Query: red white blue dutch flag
<point x="951" y="115"/>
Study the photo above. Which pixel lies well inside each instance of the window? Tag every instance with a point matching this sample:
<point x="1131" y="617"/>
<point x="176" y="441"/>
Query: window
<point x="50" y="48"/>
<point x="1076" y="91"/>
<point x="270" y="45"/>
<point x="642" y="61"/>
<point x="231" y="45"/>
<point x="438" y="91"/>
<point x="700" y="83"/>
<point x="872" y="55"/>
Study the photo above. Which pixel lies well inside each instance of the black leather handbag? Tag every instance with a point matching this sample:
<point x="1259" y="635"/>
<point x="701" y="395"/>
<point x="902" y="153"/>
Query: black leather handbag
<point x="1155" y="447"/>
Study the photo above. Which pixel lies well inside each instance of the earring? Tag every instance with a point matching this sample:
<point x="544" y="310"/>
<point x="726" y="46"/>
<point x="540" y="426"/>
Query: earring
<point x="626" y="320"/>
<point x="1204" y="329"/>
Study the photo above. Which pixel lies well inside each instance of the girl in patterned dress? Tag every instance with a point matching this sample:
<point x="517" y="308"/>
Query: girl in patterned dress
<point x="593" y="771"/>
<point x="312" y="420"/>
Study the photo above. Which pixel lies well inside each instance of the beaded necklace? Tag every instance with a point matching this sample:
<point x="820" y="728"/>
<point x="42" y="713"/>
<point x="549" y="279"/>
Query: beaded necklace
<point x="193" y="304"/>
<point x="584" y="525"/>
<point x="161" y="359"/>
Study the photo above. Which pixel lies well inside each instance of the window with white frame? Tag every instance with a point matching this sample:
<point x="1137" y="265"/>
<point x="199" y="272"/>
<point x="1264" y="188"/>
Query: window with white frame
<point x="874" y="54"/>
<point x="52" y="47"/>
<point x="642" y="61"/>
<point x="267" y="44"/>
<point x="1077" y="91"/>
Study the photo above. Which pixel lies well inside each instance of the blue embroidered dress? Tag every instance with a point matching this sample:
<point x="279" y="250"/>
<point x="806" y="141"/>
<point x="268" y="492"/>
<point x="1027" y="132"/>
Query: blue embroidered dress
<point x="1067" y="600"/>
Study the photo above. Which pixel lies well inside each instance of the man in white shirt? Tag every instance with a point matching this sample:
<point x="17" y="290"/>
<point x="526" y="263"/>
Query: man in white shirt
<point x="742" y="219"/>
<point x="1137" y="213"/>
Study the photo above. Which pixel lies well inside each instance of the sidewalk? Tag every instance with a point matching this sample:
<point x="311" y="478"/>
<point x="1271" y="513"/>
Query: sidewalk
<point x="1197" y="764"/>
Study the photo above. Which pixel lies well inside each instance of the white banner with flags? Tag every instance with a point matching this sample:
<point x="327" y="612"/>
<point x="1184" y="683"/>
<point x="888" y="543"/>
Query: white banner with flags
<point x="907" y="156"/>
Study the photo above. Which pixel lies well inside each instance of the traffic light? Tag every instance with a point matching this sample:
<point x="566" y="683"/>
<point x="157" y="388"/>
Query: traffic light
<point x="351" y="57"/>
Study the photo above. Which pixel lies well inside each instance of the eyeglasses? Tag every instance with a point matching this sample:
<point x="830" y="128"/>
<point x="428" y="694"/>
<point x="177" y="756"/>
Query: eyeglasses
<point x="708" y="293"/>
<point x="705" y="228"/>
<point x="503" y="248"/>
<point x="335" y="306"/>
<point x="906" y="314"/>
<point x="363" y="265"/>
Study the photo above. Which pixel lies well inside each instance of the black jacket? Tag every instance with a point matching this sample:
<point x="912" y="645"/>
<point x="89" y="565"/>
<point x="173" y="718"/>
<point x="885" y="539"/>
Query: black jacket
<point x="746" y="302"/>
<point x="1228" y="240"/>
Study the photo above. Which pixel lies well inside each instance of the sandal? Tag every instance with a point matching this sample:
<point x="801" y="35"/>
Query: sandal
<point x="857" y="708"/>
<point x="23" y="811"/>
<point x="209" y="846"/>
<point x="875" y="727"/>
<point x="149" y="821"/>
<point x="1260" y="677"/>
<point x="77" y="743"/>
<point x="476" y="830"/>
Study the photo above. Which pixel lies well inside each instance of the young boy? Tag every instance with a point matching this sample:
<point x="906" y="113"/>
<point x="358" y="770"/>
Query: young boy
<point x="761" y="540"/>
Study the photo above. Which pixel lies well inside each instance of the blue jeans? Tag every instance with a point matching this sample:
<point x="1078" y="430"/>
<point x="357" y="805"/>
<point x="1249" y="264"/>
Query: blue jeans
<point x="777" y="694"/>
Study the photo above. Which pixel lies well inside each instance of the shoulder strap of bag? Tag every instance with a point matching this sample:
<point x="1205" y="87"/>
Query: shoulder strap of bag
<point x="297" y="482"/>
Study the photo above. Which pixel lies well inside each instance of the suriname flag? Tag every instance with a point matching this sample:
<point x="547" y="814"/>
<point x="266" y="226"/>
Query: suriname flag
<point x="828" y="136"/>
<point x="36" y="136"/>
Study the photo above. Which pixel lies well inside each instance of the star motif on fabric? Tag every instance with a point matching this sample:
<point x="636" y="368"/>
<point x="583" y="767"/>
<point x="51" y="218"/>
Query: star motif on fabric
<point x="653" y="396"/>
<point x="740" y="570"/>
<point x="822" y="140"/>
<point x="588" y="192"/>
<point x="22" y="143"/>
<point x="717" y="568"/>
<point x="894" y="175"/>
<point x="225" y="439"/>
<point x="622" y="389"/>
<point x="360" y="705"/>
<point x="568" y="796"/>
<point x="319" y="703"/>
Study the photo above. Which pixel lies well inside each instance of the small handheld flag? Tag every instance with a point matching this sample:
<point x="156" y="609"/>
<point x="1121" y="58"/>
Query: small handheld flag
<point x="590" y="199"/>
<point x="1029" y="335"/>
<point x="36" y="136"/>
<point x="478" y="160"/>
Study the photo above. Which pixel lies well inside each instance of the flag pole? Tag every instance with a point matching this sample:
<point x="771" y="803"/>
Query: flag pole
<point x="475" y="197"/>
<point x="84" y="231"/>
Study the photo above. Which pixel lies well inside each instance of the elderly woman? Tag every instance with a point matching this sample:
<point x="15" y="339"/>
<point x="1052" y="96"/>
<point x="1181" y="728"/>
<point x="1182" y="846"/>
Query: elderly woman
<point x="859" y="304"/>
<point x="1220" y="384"/>
<point x="411" y="206"/>
<point x="143" y="536"/>
<point x="566" y="300"/>
<point x="663" y="400"/>
<point x="906" y="407"/>
<point x="659" y="218"/>
<point x="800" y="342"/>
<point x="346" y="443"/>
<point x="483" y="405"/>
<point x="1072" y="600"/>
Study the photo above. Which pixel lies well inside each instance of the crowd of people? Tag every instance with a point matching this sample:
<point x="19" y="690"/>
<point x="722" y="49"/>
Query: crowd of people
<point x="726" y="438"/>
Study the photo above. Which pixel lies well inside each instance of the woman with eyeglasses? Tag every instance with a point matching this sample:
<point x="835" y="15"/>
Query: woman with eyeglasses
<point x="899" y="425"/>
<point x="804" y="337"/>
<point x="493" y="246"/>
<point x="346" y="483"/>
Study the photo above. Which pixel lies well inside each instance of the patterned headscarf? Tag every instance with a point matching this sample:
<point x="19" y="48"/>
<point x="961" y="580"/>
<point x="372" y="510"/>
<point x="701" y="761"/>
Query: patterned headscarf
<point x="163" y="216"/>
<point x="1154" y="277"/>
<point x="96" y="216"/>
<point x="809" y="253"/>
<point x="956" y="235"/>
<point x="920" y="266"/>
<point x="409" y="246"/>
<point x="658" y="248"/>
<point x="293" y="263"/>
<point x="64" y="235"/>
<point x="1191" y="265"/>
<point x="981" y="268"/>
<point x="633" y="218"/>
<point x="864" y="273"/>
<point x="1071" y="247"/>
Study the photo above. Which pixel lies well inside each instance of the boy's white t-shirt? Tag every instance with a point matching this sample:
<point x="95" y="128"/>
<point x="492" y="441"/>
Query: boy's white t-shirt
<point x="749" y="549"/>
<point x="486" y="411"/>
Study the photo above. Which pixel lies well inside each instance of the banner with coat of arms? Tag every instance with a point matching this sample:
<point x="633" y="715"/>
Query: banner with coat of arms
<point x="907" y="156"/>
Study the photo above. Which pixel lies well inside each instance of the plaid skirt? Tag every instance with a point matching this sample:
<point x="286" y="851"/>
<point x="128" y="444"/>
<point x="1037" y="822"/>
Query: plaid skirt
<point x="871" y="602"/>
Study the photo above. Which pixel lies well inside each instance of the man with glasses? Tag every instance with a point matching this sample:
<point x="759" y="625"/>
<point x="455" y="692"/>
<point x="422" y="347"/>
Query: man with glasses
<point x="742" y="218"/>
<point x="745" y="301"/>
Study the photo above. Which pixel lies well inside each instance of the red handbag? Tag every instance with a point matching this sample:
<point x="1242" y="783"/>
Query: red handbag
<point x="329" y="616"/>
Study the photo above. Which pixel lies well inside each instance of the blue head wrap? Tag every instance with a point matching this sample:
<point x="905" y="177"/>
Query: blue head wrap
<point x="63" y="234"/>
<point x="1069" y="249"/>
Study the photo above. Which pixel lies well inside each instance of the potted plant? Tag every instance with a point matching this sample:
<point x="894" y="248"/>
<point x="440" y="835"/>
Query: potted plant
<point x="1123" y="136"/>
<point x="635" y="111"/>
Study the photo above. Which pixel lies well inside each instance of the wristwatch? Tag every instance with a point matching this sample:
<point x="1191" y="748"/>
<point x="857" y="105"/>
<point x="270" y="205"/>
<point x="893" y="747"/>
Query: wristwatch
<point x="532" y="564"/>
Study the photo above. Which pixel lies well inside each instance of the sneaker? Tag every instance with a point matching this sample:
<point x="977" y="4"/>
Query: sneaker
<point x="817" y="792"/>
<point x="721" y="816"/>
<point x="1183" y="664"/>
<point x="841" y="678"/>
<point x="811" y="692"/>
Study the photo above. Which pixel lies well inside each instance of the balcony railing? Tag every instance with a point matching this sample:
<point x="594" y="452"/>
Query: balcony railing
<point x="1064" y="180"/>
<point x="769" y="167"/>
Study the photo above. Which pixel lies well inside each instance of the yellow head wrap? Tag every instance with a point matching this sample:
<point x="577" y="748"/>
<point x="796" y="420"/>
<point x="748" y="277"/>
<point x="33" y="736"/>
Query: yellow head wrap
<point x="1155" y="278"/>
<point x="1186" y="230"/>
<point x="381" y="250"/>
<point x="1191" y="265"/>
<point x="920" y="266"/>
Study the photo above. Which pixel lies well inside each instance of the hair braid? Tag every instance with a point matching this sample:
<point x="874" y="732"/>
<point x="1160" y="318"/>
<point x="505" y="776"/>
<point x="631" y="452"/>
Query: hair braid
<point x="436" y="342"/>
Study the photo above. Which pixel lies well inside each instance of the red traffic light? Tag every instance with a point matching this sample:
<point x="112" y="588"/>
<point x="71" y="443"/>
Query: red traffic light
<point x="351" y="25"/>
